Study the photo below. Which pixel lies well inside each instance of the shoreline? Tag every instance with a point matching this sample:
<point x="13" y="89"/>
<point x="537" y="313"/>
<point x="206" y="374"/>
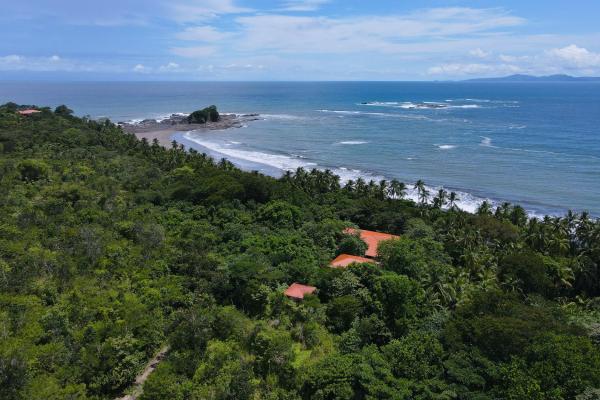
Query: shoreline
<point x="167" y="133"/>
<point x="469" y="199"/>
<point x="164" y="130"/>
<point x="163" y="136"/>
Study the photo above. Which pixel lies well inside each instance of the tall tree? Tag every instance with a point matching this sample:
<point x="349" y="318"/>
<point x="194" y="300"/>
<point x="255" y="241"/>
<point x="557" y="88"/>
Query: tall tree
<point x="422" y="192"/>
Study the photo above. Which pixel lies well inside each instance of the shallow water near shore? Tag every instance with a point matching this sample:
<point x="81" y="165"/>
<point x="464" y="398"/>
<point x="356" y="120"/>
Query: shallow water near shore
<point x="535" y="144"/>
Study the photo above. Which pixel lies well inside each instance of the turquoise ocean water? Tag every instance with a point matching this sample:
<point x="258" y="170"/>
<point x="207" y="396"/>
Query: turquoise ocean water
<point x="536" y="144"/>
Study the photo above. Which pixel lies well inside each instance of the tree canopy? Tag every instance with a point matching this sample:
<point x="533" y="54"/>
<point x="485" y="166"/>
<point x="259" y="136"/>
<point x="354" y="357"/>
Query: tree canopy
<point x="112" y="247"/>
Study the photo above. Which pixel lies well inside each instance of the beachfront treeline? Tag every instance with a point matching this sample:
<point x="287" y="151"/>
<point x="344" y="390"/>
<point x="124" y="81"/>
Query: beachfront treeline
<point x="111" y="247"/>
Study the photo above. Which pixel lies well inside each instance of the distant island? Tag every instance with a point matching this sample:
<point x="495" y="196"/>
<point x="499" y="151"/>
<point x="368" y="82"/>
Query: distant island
<point x="532" y="78"/>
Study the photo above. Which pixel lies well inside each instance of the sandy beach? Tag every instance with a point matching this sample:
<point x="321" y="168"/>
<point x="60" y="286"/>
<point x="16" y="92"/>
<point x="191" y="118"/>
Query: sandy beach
<point x="163" y="136"/>
<point x="164" y="130"/>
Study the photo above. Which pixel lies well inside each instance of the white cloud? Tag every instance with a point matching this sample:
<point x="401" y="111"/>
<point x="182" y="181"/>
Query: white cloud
<point x="12" y="59"/>
<point x="508" y="58"/>
<point x="479" y="53"/>
<point x="457" y="69"/>
<point x="303" y="5"/>
<point x="204" y="33"/>
<point x="575" y="56"/>
<point x="201" y="10"/>
<point x="194" y="52"/>
<point x="140" y="68"/>
<point x="570" y="59"/>
<point x="16" y="62"/>
<point x="388" y="34"/>
<point x="170" y="67"/>
<point x="206" y="68"/>
<point x="243" y="67"/>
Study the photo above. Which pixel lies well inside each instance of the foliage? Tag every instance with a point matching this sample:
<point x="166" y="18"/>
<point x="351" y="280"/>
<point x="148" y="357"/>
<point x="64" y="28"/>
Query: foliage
<point x="208" y="114"/>
<point x="111" y="247"/>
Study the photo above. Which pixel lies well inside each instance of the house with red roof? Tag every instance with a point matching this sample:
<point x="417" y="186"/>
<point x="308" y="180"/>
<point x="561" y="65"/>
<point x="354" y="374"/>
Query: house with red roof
<point x="371" y="238"/>
<point x="297" y="291"/>
<point x="28" y="111"/>
<point x="344" y="260"/>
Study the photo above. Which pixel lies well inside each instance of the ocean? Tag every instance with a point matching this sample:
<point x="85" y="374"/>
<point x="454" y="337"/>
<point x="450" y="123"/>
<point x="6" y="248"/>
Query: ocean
<point x="533" y="144"/>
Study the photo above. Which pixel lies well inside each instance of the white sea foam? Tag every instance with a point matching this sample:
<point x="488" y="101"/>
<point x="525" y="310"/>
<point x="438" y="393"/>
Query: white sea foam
<point x="466" y="202"/>
<point x="466" y="106"/>
<point x="379" y="103"/>
<point x="567" y="155"/>
<point x="486" y="141"/>
<point x="474" y="100"/>
<point x="279" y="161"/>
<point x="353" y="142"/>
<point x="343" y="112"/>
<point x="380" y="114"/>
<point x="407" y="105"/>
<point x="287" y="117"/>
<point x="446" y="146"/>
<point x="157" y="118"/>
<point x="425" y="105"/>
<point x="479" y="100"/>
<point x="163" y="117"/>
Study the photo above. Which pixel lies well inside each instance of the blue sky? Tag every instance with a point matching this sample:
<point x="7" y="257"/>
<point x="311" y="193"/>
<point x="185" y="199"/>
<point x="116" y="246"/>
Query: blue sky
<point x="296" y="39"/>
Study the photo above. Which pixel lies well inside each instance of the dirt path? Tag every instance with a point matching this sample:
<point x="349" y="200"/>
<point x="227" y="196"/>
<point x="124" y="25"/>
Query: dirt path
<point x="137" y="386"/>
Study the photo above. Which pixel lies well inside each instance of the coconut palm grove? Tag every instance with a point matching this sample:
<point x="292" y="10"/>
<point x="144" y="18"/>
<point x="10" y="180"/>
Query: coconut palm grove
<point x="113" y="249"/>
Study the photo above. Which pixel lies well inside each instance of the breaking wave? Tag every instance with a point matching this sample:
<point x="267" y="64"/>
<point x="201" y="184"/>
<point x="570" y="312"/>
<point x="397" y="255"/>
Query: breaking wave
<point x="486" y="141"/>
<point x="424" y="105"/>
<point x="353" y="142"/>
<point x="286" y="117"/>
<point x="446" y="146"/>
<point x="290" y="162"/>
<point x="378" y="114"/>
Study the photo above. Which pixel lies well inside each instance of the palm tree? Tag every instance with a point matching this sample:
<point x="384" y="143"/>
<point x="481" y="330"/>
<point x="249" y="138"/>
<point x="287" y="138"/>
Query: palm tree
<point x="503" y="211"/>
<point x="422" y="192"/>
<point x="383" y="186"/>
<point x="397" y="189"/>
<point x="452" y="199"/>
<point x="371" y="187"/>
<point x="485" y="208"/>
<point x="360" y="186"/>
<point x="440" y="200"/>
<point x="349" y="186"/>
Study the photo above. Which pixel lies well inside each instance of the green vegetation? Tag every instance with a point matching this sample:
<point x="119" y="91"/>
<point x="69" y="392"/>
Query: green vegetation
<point x="111" y="247"/>
<point x="208" y="114"/>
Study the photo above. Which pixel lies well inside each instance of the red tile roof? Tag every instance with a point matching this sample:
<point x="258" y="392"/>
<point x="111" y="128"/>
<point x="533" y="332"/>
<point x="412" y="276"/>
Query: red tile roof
<point x="298" y="291"/>
<point x="28" y="112"/>
<point x="371" y="238"/>
<point x="343" y="260"/>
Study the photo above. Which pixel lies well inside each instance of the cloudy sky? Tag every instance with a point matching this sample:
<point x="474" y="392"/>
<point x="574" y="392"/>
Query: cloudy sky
<point x="296" y="39"/>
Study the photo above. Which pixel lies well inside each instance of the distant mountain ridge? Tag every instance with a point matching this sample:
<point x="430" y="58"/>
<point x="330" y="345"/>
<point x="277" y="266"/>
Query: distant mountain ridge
<point x="532" y="78"/>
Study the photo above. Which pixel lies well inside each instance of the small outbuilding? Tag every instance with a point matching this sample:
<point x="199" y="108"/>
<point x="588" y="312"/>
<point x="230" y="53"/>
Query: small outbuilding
<point x="297" y="291"/>
<point x="343" y="260"/>
<point x="371" y="238"/>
